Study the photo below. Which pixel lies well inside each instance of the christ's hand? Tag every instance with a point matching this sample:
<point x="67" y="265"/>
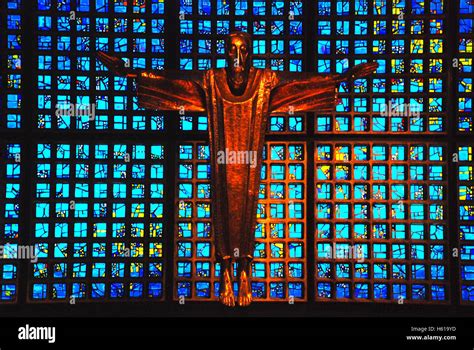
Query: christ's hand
<point x="115" y="65"/>
<point x="359" y="71"/>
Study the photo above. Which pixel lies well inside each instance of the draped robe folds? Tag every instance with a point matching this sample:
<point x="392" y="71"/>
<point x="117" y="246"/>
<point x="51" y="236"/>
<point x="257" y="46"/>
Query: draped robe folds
<point x="237" y="123"/>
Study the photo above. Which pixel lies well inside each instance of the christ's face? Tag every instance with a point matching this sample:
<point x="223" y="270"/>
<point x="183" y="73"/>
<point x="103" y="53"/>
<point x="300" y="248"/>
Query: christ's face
<point x="238" y="62"/>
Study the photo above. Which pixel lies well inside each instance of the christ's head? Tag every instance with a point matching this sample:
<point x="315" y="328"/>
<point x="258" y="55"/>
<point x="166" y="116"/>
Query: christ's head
<point x="238" y="52"/>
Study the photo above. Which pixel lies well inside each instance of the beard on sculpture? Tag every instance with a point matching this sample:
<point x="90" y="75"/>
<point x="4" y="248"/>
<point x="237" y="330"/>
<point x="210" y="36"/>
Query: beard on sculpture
<point x="238" y="78"/>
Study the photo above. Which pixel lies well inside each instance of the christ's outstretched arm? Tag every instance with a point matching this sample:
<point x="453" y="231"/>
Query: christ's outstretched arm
<point x="163" y="90"/>
<point x="306" y="92"/>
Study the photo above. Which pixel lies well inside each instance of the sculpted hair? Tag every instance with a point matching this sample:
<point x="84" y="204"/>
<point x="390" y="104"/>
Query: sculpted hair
<point x="245" y="35"/>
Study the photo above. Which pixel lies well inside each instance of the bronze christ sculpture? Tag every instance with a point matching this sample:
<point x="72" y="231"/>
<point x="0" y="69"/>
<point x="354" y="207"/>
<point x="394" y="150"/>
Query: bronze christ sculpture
<point x="238" y="100"/>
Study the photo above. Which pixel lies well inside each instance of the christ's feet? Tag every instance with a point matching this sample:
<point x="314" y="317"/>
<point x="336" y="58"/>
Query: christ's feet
<point x="245" y="291"/>
<point x="226" y="294"/>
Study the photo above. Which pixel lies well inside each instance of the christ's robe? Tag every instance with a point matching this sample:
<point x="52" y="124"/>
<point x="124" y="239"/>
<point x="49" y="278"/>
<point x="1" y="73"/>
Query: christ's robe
<point x="237" y="124"/>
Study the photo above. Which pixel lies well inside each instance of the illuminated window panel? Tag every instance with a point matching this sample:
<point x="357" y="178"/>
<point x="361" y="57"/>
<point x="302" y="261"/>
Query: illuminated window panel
<point x="381" y="225"/>
<point x="195" y="272"/>
<point x="98" y="222"/>
<point x="464" y="64"/>
<point x="10" y="171"/>
<point x="197" y="122"/>
<point x="74" y="91"/>
<point x="466" y="221"/>
<point x="276" y="26"/>
<point x="408" y="93"/>
<point x="277" y="30"/>
<point x="279" y="267"/>
<point x="10" y="58"/>
<point x="281" y="124"/>
<point x="277" y="124"/>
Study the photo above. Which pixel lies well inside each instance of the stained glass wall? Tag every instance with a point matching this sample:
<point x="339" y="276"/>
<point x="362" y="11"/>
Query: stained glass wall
<point x="194" y="247"/>
<point x="466" y="210"/>
<point x="11" y="234"/>
<point x="463" y="107"/>
<point x="116" y="199"/>
<point x="279" y="268"/>
<point x="10" y="171"/>
<point x="407" y="40"/>
<point x="380" y="211"/>
<point x="69" y="33"/>
<point x="98" y="204"/>
<point x="203" y="24"/>
<point x="463" y="63"/>
<point x="381" y="221"/>
<point x="11" y="56"/>
<point x="98" y="221"/>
